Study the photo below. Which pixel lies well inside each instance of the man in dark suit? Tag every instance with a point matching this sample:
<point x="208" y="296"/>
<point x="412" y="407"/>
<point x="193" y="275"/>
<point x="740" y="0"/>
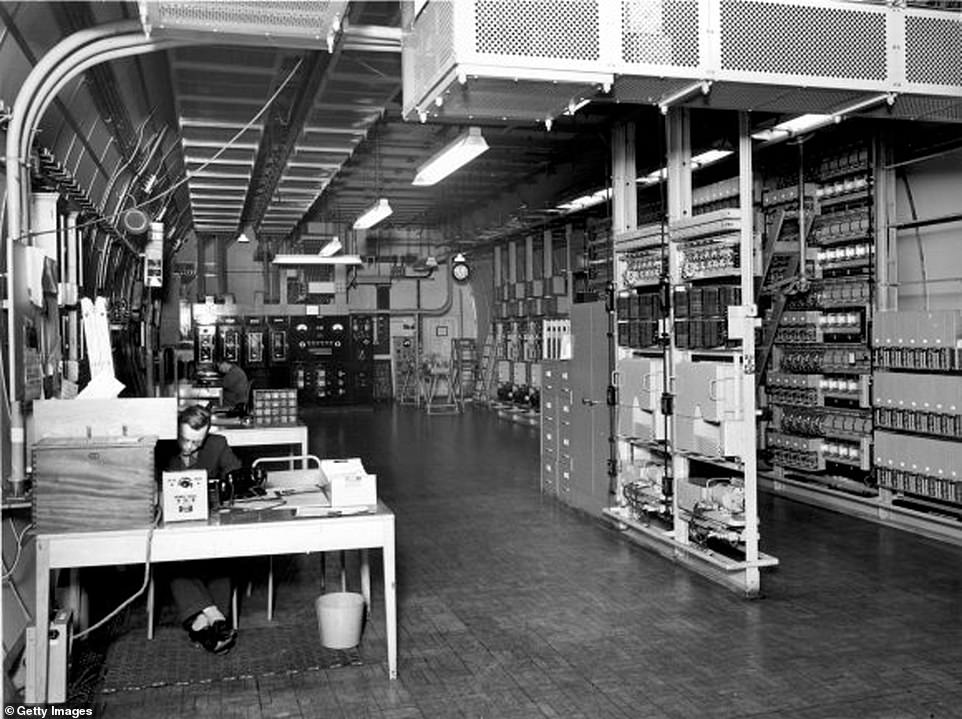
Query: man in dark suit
<point x="201" y="589"/>
<point x="236" y="386"/>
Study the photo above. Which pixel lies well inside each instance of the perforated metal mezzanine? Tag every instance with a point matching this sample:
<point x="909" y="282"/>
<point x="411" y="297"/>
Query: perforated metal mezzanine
<point x="530" y="59"/>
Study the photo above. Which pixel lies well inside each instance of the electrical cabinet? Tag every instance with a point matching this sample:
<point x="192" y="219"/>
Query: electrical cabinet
<point x="555" y="420"/>
<point x="816" y="289"/>
<point x="918" y="409"/>
<point x="590" y="415"/>
<point x="685" y="326"/>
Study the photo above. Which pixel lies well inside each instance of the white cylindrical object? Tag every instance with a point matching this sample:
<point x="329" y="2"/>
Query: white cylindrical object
<point x="340" y="617"/>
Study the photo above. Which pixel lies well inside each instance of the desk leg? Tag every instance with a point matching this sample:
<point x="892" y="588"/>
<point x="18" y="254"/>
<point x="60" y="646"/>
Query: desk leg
<point x="42" y="619"/>
<point x="366" y="580"/>
<point x="150" y="604"/>
<point x="390" y="602"/>
<point x="270" y="588"/>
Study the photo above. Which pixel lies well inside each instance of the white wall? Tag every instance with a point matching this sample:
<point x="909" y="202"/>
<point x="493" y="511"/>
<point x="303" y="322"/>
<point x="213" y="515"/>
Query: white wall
<point x="936" y="187"/>
<point x="245" y="277"/>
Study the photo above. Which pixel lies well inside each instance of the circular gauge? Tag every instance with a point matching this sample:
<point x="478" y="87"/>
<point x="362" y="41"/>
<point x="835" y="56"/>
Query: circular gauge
<point x="460" y="271"/>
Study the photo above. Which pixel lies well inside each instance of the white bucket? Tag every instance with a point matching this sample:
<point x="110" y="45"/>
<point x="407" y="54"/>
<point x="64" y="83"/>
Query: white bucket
<point x="340" y="616"/>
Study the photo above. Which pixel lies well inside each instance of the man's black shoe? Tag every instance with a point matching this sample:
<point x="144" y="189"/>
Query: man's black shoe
<point x="218" y="638"/>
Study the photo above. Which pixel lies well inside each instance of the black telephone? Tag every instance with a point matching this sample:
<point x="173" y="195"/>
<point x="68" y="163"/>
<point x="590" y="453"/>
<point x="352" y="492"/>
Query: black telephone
<point x="243" y="483"/>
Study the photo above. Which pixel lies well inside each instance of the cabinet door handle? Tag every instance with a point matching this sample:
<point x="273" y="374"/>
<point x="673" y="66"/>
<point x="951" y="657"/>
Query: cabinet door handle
<point x="588" y="401"/>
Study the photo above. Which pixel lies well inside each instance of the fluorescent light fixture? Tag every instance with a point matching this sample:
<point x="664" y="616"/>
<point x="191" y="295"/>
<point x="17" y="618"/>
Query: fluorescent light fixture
<point x="709" y="157"/>
<point x="332" y="247"/>
<point x="457" y="154"/>
<point x="573" y="106"/>
<point x="685" y="93"/>
<point x="795" y="126"/>
<point x="653" y="178"/>
<point x="586" y="201"/>
<point x="808" y="123"/>
<point x="374" y="214"/>
<point x="297" y="260"/>
<point x="702" y="159"/>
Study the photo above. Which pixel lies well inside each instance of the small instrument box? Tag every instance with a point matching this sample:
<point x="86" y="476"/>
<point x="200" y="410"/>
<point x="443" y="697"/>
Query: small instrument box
<point x="184" y="494"/>
<point x="349" y="485"/>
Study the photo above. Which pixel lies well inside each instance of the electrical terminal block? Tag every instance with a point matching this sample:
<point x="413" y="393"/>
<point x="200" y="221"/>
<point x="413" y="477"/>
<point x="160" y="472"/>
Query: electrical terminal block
<point x="841" y="188"/>
<point x="928" y="341"/>
<point x="850" y="161"/>
<point x="642" y="267"/>
<point x="787" y="196"/>
<point x="856" y="453"/>
<point x="800" y="421"/>
<point x="920" y="485"/>
<point x="852" y="388"/>
<point x="800" y="328"/>
<point x="796" y="452"/>
<point x="847" y="360"/>
<point x="797" y="390"/>
<point x="938" y="424"/>
<point x="841" y="227"/>
<point x="837" y="292"/>
<point x="846" y="256"/>
<point x="921" y="466"/>
<point x="803" y="361"/>
<point x="703" y="259"/>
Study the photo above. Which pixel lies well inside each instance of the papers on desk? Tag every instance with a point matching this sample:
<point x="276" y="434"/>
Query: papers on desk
<point x="301" y="490"/>
<point x="309" y="492"/>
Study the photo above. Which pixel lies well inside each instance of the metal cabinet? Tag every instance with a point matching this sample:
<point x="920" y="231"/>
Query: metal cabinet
<point x="549" y="428"/>
<point x="590" y="415"/>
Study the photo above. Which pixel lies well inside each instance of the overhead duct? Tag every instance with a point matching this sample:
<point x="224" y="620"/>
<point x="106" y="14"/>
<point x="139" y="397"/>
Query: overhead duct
<point x="305" y="25"/>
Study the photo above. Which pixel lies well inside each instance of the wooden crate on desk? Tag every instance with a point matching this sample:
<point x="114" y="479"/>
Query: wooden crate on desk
<point x="86" y="485"/>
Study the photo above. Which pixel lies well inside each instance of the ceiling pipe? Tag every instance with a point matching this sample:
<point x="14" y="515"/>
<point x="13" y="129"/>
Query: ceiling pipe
<point x="443" y="309"/>
<point x="93" y="54"/>
<point x="16" y="161"/>
<point x="113" y="48"/>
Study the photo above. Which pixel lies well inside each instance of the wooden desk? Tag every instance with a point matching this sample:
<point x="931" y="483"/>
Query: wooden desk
<point x="257" y="436"/>
<point x="190" y="541"/>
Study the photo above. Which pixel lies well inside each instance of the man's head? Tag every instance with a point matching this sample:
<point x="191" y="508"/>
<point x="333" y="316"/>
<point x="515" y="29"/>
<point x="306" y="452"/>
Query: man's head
<point x="223" y="366"/>
<point x="193" y="423"/>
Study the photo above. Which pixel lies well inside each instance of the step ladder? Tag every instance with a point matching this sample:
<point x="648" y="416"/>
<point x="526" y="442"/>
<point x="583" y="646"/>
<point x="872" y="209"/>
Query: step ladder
<point x="482" y="382"/>
<point x="464" y="367"/>
<point x="439" y="388"/>
<point x="406" y="370"/>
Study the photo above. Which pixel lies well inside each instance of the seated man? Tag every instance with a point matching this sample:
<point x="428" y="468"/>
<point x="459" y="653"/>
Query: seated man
<point x="235" y="384"/>
<point x="201" y="588"/>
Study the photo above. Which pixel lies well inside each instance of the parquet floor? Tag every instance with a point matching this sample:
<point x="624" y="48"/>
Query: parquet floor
<point x="511" y="606"/>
